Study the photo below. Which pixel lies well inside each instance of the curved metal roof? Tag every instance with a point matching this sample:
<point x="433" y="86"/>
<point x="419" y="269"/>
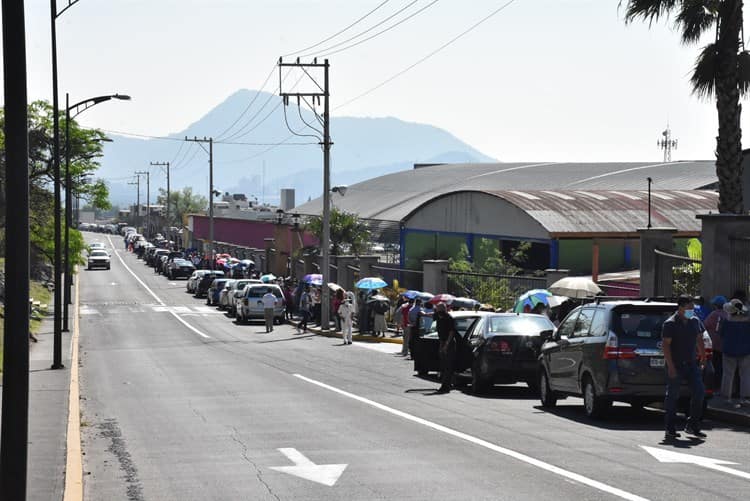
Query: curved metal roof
<point x="393" y="196"/>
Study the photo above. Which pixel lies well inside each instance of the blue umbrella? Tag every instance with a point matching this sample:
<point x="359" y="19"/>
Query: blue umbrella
<point x="270" y="277"/>
<point x="371" y="283"/>
<point x="531" y="299"/>
<point x="313" y="279"/>
<point x="410" y="294"/>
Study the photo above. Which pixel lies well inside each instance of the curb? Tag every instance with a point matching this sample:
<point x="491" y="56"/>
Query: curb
<point x="356" y="337"/>
<point x="73" y="490"/>
<point x="728" y="416"/>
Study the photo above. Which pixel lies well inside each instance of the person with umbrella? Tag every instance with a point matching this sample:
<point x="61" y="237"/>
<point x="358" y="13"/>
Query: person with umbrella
<point x="379" y="305"/>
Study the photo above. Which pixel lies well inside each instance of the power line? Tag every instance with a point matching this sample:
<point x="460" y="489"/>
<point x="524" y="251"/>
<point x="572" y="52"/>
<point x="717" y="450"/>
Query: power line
<point x="389" y="28"/>
<point x="338" y="44"/>
<point x="338" y="32"/>
<point x="428" y="56"/>
<point x="252" y="101"/>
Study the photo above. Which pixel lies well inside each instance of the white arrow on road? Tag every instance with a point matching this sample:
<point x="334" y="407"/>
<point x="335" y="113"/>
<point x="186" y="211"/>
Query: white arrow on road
<point x="665" y="456"/>
<point x="326" y="474"/>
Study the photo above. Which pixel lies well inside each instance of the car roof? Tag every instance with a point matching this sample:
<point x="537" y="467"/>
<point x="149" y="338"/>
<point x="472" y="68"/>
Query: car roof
<point x="467" y="313"/>
<point x="613" y="304"/>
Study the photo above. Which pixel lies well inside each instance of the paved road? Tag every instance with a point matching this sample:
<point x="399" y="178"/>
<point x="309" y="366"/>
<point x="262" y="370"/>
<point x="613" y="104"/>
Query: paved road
<point x="181" y="403"/>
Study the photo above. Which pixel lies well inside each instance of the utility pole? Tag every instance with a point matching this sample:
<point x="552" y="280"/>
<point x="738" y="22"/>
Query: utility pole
<point x="326" y="144"/>
<point x="667" y="144"/>
<point x="15" y="399"/>
<point x="148" y="201"/>
<point x="137" y="183"/>
<point x="57" y="321"/>
<point x="165" y="164"/>
<point x="210" y="152"/>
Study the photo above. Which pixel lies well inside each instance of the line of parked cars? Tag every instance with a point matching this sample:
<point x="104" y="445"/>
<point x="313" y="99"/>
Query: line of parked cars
<point x="603" y="351"/>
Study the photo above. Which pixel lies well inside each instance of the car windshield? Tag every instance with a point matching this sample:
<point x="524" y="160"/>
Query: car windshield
<point x="518" y="324"/>
<point x="99" y="253"/>
<point x="640" y="322"/>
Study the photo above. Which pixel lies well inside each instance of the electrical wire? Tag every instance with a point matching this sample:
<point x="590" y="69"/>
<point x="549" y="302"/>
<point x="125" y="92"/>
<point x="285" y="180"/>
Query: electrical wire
<point x="338" y="44"/>
<point x="296" y="133"/>
<point x="299" y="110"/>
<point x="338" y="32"/>
<point x="252" y="101"/>
<point x="428" y="56"/>
<point x="389" y="28"/>
<point x="182" y="145"/>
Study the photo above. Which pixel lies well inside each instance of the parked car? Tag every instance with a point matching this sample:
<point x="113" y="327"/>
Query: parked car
<point x="505" y="349"/>
<point x="610" y="351"/>
<point x="154" y="257"/>
<point x="426" y="352"/>
<point x="194" y="279"/>
<point x="236" y="291"/>
<point x="219" y="291"/>
<point x="205" y="282"/>
<point x="98" y="258"/>
<point x="179" y="268"/>
<point x="251" y="305"/>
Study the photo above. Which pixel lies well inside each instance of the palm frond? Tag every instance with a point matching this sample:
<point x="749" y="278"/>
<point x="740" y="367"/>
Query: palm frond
<point x="648" y="10"/>
<point x="695" y="17"/>
<point x="705" y="71"/>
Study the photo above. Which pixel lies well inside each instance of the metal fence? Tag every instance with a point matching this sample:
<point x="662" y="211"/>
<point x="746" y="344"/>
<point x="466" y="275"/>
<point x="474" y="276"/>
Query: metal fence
<point x="408" y="279"/>
<point x="676" y="275"/>
<point x="501" y="291"/>
<point x="739" y="264"/>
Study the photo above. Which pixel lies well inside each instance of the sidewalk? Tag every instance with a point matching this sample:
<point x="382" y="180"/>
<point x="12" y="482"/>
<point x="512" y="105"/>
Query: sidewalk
<point x="48" y="417"/>
<point x="719" y="409"/>
<point x="356" y="337"/>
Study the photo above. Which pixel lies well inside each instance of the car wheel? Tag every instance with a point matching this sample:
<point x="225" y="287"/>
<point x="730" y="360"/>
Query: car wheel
<point x="548" y="397"/>
<point x="595" y="406"/>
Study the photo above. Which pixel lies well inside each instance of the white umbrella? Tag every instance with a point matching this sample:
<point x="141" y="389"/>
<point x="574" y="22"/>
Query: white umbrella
<point x="555" y="301"/>
<point x="576" y="287"/>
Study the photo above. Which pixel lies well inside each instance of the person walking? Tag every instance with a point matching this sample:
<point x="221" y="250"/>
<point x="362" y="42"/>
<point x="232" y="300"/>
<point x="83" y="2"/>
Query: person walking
<point x="736" y="356"/>
<point x="269" y="301"/>
<point x="712" y="327"/>
<point x="446" y="330"/>
<point x="412" y="330"/>
<point x="403" y="314"/>
<point x="338" y="300"/>
<point x="304" y="309"/>
<point x="346" y="313"/>
<point x="682" y="335"/>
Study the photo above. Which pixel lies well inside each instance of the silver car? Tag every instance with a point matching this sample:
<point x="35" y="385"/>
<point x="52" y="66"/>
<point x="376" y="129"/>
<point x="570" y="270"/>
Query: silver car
<point x="98" y="259"/>
<point x="250" y="305"/>
<point x="236" y="291"/>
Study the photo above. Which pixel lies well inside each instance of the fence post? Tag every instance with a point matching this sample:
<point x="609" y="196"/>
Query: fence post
<point x="365" y="266"/>
<point x="652" y="239"/>
<point x="554" y="275"/>
<point x="345" y="275"/>
<point x="435" y="278"/>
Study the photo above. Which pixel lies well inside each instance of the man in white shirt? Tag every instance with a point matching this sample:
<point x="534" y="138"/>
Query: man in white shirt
<point x="269" y="301"/>
<point x="346" y="311"/>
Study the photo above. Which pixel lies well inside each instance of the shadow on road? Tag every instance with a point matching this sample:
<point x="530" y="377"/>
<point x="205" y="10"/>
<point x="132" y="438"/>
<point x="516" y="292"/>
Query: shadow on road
<point x="295" y="338"/>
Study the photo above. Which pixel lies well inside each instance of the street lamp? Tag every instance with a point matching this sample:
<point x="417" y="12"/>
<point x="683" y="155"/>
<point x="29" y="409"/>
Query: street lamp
<point x="70" y="113"/>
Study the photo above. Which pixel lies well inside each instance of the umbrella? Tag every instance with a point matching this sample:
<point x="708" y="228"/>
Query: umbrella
<point x="313" y="279"/>
<point x="410" y="294"/>
<point x="576" y="287"/>
<point x="464" y="302"/>
<point x="248" y="262"/>
<point x="371" y="283"/>
<point x="425" y="296"/>
<point x="555" y="301"/>
<point x="234" y="260"/>
<point x="531" y="299"/>
<point x="334" y="287"/>
<point x="442" y="298"/>
<point x="270" y="277"/>
<point x="377" y="298"/>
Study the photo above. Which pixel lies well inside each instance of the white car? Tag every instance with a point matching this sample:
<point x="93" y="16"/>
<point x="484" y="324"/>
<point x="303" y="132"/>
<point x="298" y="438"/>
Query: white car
<point x="195" y="279"/>
<point x="98" y="258"/>
<point x="235" y="292"/>
<point x="97" y="246"/>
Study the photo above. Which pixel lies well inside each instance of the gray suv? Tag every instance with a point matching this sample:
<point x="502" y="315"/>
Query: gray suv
<point x="610" y="351"/>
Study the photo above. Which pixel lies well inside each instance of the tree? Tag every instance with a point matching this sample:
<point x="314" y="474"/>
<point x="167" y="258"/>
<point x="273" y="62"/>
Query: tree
<point x="722" y="69"/>
<point x="347" y="231"/>
<point x="181" y="203"/>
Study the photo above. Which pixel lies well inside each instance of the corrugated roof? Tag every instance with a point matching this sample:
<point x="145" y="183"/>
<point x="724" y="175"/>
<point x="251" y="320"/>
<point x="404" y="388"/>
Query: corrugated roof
<point x="587" y="212"/>
<point x="393" y="196"/>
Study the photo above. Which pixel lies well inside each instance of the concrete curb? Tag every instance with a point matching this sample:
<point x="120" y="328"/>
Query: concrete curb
<point x="74" y="462"/>
<point x="728" y="416"/>
<point x="356" y="337"/>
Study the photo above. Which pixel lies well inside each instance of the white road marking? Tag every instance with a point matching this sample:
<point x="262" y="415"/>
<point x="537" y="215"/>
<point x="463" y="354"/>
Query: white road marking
<point x="86" y="310"/>
<point x="158" y="299"/>
<point x="483" y="443"/>
<point x="666" y="456"/>
<point x="381" y="347"/>
<point x="326" y="474"/>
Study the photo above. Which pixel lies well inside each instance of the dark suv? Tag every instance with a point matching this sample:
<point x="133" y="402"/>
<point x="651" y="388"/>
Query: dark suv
<point x="610" y="351"/>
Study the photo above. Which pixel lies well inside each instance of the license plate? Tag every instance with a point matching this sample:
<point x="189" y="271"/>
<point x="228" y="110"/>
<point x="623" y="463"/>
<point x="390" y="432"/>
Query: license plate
<point x="657" y="362"/>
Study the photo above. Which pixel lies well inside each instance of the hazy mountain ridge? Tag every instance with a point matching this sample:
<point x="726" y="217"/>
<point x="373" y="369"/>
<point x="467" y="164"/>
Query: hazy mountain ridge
<point x="363" y="148"/>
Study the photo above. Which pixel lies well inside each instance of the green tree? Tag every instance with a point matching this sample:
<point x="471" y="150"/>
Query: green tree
<point x="182" y="203"/>
<point x="722" y="70"/>
<point x="347" y="231"/>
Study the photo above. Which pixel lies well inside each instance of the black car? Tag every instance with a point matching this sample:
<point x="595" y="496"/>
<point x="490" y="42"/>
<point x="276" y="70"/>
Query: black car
<point x="154" y="257"/>
<point x="610" y="351"/>
<point x="179" y="268"/>
<point x="202" y="289"/>
<point x="427" y="345"/>
<point x="505" y="349"/>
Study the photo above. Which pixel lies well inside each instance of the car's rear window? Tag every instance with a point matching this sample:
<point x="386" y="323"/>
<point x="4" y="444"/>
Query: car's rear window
<point x="519" y="324"/>
<point x="640" y="323"/>
<point x="258" y="292"/>
<point x="99" y="253"/>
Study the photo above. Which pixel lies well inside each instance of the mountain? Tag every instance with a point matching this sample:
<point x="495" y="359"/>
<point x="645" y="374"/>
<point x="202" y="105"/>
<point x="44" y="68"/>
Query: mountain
<point x="363" y="148"/>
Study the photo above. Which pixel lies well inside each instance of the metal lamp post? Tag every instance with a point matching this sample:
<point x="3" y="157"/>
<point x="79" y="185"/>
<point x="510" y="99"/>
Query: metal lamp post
<point x="70" y="113"/>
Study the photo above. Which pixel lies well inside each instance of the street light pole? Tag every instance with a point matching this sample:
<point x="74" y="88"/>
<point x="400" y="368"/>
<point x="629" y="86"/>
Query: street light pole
<point x="326" y="293"/>
<point x="15" y="399"/>
<point x="57" y="310"/>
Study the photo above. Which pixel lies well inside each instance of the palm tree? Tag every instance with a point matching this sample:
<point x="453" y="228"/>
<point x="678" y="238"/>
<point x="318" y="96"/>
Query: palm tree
<point x="722" y="70"/>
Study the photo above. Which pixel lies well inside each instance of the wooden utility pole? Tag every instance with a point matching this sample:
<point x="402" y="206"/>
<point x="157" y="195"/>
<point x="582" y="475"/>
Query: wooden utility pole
<point x="165" y="164"/>
<point x="210" y="152"/>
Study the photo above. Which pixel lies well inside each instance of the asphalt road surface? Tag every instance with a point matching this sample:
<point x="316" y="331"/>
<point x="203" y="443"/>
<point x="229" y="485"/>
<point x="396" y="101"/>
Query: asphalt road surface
<point x="179" y="402"/>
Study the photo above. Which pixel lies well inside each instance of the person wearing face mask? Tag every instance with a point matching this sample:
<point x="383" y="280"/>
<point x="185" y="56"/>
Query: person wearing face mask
<point x="684" y="357"/>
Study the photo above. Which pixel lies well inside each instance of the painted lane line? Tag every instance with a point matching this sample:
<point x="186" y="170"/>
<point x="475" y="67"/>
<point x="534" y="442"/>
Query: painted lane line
<point x="158" y="299"/>
<point x="483" y="443"/>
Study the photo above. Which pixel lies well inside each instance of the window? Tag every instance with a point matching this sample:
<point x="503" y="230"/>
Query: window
<point x="599" y="324"/>
<point x="518" y="324"/>
<point x="583" y="323"/>
<point x="566" y="327"/>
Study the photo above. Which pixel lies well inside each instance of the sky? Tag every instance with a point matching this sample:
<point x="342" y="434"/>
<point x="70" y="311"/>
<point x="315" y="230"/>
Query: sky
<point x="543" y="80"/>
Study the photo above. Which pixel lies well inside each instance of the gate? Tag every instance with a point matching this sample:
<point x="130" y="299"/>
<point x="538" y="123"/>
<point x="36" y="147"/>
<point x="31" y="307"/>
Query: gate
<point x="676" y="275"/>
<point x="501" y="291"/>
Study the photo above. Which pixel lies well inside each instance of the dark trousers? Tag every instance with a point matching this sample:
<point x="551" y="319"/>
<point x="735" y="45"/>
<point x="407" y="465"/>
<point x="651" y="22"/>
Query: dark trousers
<point x="447" y="363"/>
<point x="691" y="373"/>
<point x="305" y="317"/>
